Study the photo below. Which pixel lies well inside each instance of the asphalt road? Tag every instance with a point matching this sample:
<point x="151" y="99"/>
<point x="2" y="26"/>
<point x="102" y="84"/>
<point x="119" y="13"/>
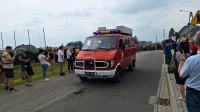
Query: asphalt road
<point x="130" y="95"/>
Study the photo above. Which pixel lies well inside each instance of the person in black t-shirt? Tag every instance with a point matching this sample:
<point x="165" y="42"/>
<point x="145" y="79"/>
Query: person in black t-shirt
<point x="51" y="60"/>
<point x="26" y="66"/>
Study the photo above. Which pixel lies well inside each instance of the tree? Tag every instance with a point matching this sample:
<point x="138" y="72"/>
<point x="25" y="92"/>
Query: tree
<point x="177" y="36"/>
<point x="75" y="44"/>
<point x="171" y="33"/>
<point x="136" y="39"/>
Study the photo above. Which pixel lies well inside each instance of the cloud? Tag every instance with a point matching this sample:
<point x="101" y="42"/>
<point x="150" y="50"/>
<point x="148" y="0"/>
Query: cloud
<point x="34" y="22"/>
<point x="76" y="13"/>
<point x="134" y="7"/>
<point x="71" y="20"/>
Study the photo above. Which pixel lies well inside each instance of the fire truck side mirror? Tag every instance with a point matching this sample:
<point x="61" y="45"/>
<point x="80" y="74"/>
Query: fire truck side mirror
<point x="198" y="18"/>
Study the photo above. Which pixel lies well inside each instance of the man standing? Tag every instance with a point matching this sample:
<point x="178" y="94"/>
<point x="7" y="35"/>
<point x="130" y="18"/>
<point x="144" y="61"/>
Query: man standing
<point x="190" y="69"/>
<point x="167" y="50"/>
<point x="26" y="66"/>
<point x="7" y="61"/>
<point x="22" y="63"/>
<point x="61" y="60"/>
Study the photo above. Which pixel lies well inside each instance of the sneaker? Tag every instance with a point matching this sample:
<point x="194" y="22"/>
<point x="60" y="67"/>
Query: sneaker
<point x="45" y="80"/>
<point x="62" y="74"/>
<point x="30" y="85"/>
<point x="27" y="84"/>
<point x="13" y="90"/>
<point x="6" y="88"/>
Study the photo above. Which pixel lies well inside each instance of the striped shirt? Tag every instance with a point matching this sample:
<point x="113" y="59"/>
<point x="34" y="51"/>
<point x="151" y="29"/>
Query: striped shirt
<point x="7" y="60"/>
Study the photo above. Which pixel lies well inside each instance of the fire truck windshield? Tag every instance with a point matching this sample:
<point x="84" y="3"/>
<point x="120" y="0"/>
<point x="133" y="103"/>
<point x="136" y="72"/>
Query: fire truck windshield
<point x="100" y="43"/>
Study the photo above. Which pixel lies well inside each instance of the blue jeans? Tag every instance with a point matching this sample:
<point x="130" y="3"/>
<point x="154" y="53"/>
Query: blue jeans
<point x="44" y="70"/>
<point x="168" y="58"/>
<point x="192" y="100"/>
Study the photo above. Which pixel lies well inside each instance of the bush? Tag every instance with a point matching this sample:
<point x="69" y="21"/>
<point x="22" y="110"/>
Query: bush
<point x="33" y="55"/>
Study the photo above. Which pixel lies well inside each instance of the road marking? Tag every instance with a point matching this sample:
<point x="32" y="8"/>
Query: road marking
<point x="152" y="100"/>
<point x="57" y="99"/>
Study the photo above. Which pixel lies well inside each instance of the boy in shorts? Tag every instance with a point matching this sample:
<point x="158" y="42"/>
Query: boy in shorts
<point x="7" y="62"/>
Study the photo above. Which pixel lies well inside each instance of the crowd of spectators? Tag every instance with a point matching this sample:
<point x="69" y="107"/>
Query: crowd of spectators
<point x="48" y="58"/>
<point x="184" y="57"/>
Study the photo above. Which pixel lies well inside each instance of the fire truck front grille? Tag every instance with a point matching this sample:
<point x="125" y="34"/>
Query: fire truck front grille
<point x="79" y="64"/>
<point x="89" y="63"/>
<point x="101" y="64"/>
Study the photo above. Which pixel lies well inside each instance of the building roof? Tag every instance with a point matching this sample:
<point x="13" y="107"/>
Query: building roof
<point x="192" y="29"/>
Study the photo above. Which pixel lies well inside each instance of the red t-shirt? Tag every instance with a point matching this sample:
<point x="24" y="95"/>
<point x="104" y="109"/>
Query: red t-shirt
<point x="193" y="49"/>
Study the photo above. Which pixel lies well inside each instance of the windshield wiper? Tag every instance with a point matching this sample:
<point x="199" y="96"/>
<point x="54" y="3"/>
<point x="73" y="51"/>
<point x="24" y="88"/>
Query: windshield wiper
<point x="102" y="48"/>
<point x="87" y="49"/>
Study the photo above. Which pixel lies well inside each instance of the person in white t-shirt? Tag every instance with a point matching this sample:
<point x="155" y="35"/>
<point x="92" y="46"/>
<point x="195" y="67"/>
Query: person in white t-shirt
<point x="43" y="61"/>
<point x="61" y="60"/>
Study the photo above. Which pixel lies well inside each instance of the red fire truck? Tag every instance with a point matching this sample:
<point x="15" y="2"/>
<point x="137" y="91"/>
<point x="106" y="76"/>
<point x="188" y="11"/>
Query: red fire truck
<point x="106" y="54"/>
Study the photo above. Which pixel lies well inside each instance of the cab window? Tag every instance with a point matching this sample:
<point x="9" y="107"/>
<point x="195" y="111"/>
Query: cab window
<point x="126" y="43"/>
<point x="132" y="41"/>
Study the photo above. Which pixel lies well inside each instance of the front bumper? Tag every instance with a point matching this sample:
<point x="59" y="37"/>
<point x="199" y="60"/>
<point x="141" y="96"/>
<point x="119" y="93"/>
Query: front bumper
<point x="97" y="73"/>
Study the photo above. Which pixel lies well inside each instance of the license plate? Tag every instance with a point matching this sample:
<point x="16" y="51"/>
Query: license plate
<point x="90" y="73"/>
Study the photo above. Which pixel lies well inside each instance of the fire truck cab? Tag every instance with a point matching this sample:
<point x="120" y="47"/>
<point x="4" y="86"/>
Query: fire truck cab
<point x="106" y="54"/>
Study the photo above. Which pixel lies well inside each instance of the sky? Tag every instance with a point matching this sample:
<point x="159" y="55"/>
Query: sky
<point x="74" y="20"/>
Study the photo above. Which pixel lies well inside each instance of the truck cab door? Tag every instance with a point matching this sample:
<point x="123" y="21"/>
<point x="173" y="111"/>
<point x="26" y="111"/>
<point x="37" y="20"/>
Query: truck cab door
<point x="127" y="52"/>
<point x="121" y="51"/>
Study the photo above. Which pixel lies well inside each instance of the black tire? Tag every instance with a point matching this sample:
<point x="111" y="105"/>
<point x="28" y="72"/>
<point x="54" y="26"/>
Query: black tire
<point x="117" y="77"/>
<point x="132" y="66"/>
<point x="83" y="78"/>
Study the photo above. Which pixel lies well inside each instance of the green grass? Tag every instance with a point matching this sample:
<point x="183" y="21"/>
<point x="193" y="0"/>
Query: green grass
<point x="37" y="73"/>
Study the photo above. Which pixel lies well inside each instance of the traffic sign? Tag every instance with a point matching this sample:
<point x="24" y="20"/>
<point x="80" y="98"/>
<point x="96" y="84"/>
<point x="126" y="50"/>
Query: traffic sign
<point x="196" y="19"/>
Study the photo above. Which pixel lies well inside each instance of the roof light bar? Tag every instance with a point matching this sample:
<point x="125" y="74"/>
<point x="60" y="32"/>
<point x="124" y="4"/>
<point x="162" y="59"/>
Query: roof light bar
<point x="119" y="30"/>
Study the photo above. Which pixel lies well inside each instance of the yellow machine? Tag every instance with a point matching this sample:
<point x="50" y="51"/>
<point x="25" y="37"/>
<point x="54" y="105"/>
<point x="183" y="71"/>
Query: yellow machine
<point x="196" y="18"/>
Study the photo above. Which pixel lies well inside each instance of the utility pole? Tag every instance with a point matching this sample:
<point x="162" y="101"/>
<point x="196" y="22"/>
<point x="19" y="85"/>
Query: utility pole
<point x="15" y="39"/>
<point x="164" y="33"/>
<point x="44" y="38"/>
<point x="156" y="39"/>
<point x="29" y="38"/>
<point x="2" y="40"/>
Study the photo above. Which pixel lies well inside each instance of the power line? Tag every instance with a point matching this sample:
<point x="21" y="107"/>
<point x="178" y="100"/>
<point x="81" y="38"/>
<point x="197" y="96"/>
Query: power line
<point x="164" y="34"/>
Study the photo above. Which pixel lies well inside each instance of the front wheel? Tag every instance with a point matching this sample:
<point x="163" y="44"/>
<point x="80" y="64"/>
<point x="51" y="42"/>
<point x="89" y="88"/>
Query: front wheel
<point x="132" y="66"/>
<point x="117" y="76"/>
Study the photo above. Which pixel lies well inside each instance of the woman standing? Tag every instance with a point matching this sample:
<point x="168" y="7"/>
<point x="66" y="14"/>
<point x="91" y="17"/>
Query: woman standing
<point x="70" y="60"/>
<point x="43" y="61"/>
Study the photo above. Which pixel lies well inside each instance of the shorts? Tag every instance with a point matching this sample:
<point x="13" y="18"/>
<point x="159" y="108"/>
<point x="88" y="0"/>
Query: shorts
<point x="61" y="64"/>
<point x="23" y="68"/>
<point x="29" y="71"/>
<point x="9" y="73"/>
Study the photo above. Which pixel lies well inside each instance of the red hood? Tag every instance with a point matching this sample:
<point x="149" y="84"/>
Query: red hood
<point x="98" y="55"/>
